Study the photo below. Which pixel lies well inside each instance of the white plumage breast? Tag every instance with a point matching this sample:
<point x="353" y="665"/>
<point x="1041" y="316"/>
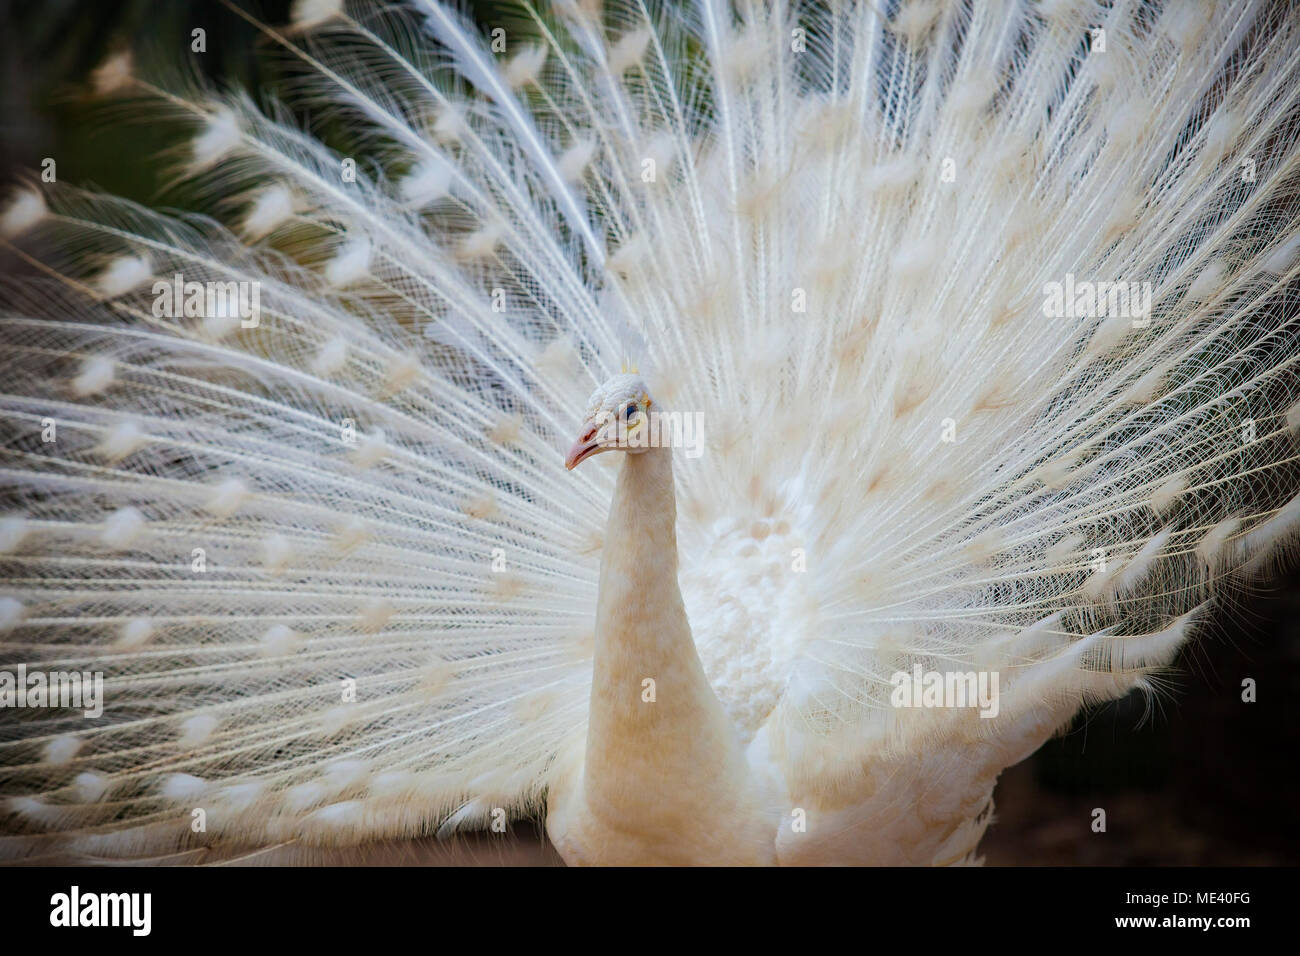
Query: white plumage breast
<point x="748" y="602"/>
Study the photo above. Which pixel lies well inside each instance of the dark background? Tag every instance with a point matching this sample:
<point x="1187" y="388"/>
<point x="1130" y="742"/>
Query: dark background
<point x="1195" y="777"/>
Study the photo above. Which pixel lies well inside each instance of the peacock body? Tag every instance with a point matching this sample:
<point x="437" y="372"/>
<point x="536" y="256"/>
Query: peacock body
<point x="877" y="260"/>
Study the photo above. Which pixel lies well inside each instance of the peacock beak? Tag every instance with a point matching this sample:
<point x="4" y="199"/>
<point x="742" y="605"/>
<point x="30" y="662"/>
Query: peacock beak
<point x="583" y="448"/>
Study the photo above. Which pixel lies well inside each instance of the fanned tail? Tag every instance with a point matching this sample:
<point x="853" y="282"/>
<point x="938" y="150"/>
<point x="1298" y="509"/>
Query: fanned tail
<point x="322" y="550"/>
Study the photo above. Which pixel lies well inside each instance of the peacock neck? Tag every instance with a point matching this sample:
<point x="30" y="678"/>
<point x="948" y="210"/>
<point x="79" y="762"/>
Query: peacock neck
<point x="641" y="628"/>
<point x="654" y="718"/>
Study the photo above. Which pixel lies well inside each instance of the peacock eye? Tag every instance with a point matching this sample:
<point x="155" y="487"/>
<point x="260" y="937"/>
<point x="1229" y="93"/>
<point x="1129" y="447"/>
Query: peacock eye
<point x="630" y="410"/>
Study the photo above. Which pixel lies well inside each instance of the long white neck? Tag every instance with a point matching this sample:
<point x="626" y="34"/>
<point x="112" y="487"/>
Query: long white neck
<point x="661" y="757"/>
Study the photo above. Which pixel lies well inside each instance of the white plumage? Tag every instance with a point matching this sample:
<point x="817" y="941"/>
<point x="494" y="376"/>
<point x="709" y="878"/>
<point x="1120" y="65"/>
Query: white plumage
<point x="331" y="565"/>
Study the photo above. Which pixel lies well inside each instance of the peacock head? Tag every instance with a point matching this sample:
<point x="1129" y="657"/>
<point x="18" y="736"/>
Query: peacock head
<point x="617" y="419"/>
